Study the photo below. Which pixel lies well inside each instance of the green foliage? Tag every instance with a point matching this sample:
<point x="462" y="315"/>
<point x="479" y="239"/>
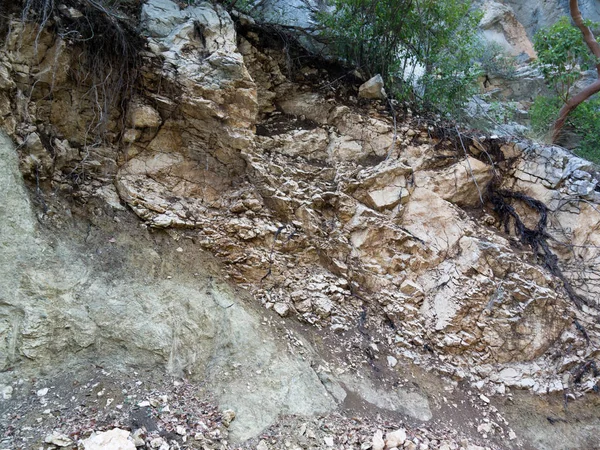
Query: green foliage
<point x="543" y="113"/>
<point x="584" y="122"/>
<point x="245" y="6"/>
<point x="562" y="53"/>
<point x="400" y="38"/>
<point x="494" y="61"/>
<point x="503" y="112"/>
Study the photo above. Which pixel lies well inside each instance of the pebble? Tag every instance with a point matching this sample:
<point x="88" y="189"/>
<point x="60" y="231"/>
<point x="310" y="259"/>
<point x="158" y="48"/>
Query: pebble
<point x="7" y="392"/>
<point x="58" y="439"/>
<point x="228" y="417"/>
<point x="392" y="361"/>
<point x="42" y="392"/>
<point x="262" y="445"/>
<point x="395" y="438"/>
<point x="378" y="443"/>
<point x="115" y="439"/>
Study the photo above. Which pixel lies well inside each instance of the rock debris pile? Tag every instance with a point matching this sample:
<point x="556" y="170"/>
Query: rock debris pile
<point x="367" y="234"/>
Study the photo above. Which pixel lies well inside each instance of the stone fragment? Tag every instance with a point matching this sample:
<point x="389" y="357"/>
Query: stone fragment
<point x="144" y="116"/>
<point x="115" y="439"/>
<point x="373" y="89"/>
<point x="58" y="439"/>
<point x="262" y="445"/>
<point x="395" y="438"/>
<point x="138" y="437"/>
<point x="378" y="442"/>
<point x="42" y="392"/>
<point x="281" y="308"/>
<point x="6" y="392"/>
<point x="392" y="362"/>
<point x="227" y="417"/>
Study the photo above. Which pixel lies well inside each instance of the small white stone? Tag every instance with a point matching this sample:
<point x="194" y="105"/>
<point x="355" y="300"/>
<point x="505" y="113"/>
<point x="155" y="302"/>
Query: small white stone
<point x="144" y="404"/>
<point x="262" y="445"/>
<point x="42" y="392"/>
<point x="156" y="442"/>
<point x="7" y="392"/>
<point x="378" y="443"/>
<point x="484" y="398"/>
<point x="180" y="430"/>
<point x="395" y="438"/>
<point x="60" y="440"/>
<point x="281" y="308"/>
<point x="392" y="361"/>
<point x="328" y="441"/>
<point x="115" y="439"/>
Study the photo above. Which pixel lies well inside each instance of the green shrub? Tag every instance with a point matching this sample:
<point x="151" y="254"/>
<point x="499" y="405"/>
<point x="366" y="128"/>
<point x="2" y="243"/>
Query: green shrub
<point x="562" y="53"/>
<point x="494" y="61"/>
<point x="543" y="113"/>
<point x="584" y="123"/>
<point x="393" y="37"/>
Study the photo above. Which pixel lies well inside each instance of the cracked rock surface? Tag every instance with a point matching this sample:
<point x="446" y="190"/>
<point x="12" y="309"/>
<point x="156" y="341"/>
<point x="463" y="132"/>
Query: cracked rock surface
<point x="257" y="232"/>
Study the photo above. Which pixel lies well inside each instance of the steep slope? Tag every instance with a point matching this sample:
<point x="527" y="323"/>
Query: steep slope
<point x="370" y="254"/>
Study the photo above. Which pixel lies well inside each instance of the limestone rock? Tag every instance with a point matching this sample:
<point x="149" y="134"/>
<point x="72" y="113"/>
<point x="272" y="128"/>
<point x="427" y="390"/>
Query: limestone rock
<point x="395" y="438"/>
<point x="378" y="443"/>
<point x="144" y="116"/>
<point x="116" y="439"/>
<point x="463" y="183"/>
<point x="60" y="440"/>
<point x="500" y="25"/>
<point x="178" y="335"/>
<point x="373" y="89"/>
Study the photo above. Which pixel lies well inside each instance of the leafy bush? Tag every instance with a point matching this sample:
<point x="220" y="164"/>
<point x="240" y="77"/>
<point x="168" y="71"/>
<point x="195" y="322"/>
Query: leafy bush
<point x="425" y="44"/>
<point x="494" y="61"/>
<point x="561" y="54"/>
<point x="584" y="122"/>
<point x="543" y="113"/>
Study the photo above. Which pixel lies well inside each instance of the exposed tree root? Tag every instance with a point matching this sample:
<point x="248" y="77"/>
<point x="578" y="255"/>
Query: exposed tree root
<point x="536" y="238"/>
<point x="109" y="43"/>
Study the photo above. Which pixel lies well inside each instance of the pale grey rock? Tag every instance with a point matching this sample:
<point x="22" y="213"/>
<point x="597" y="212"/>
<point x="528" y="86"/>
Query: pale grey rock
<point x="395" y="438"/>
<point x="378" y="442"/>
<point x="410" y="402"/>
<point x="500" y="25"/>
<point x="206" y="333"/>
<point x="373" y="89"/>
<point x="60" y="440"/>
<point x="6" y="392"/>
<point x="160" y="17"/>
<point x="281" y="308"/>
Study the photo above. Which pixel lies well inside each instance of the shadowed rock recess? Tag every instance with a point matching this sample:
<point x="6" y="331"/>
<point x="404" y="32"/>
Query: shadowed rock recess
<point x="240" y="223"/>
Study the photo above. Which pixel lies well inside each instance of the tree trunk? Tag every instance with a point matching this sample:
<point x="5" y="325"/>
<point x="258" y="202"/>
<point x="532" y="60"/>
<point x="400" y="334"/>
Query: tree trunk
<point x="592" y="89"/>
<point x="571" y="104"/>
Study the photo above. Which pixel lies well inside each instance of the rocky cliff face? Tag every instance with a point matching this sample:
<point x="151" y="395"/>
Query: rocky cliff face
<point x="385" y="247"/>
